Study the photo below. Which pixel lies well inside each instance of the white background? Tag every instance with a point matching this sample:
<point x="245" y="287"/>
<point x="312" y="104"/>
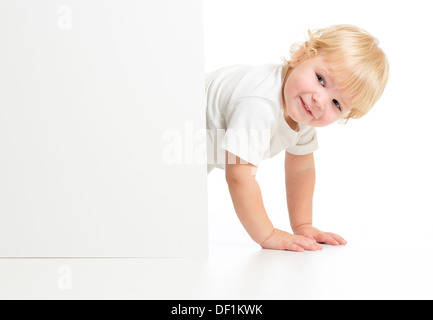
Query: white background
<point x="87" y="115"/>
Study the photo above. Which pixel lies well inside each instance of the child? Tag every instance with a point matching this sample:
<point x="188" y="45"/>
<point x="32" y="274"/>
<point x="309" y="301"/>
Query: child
<point x="253" y="113"/>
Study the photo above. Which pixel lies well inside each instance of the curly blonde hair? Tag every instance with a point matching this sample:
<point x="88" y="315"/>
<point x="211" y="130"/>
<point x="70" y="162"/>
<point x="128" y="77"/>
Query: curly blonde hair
<point x="358" y="65"/>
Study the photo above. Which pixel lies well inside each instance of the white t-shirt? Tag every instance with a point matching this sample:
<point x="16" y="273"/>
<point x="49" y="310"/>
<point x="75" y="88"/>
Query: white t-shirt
<point x="245" y="116"/>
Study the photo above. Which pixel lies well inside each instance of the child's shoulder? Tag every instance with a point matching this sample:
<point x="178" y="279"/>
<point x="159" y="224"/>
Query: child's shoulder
<point x="262" y="81"/>
<point x="240" y="82"/>
<point x="228" y="70"/>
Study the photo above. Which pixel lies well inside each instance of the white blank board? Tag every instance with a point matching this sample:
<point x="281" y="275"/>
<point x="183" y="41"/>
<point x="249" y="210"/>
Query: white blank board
<point x="88" y="90"/>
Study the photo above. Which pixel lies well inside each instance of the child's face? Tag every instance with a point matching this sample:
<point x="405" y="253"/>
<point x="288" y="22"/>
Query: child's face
<point x="311" y="95"/>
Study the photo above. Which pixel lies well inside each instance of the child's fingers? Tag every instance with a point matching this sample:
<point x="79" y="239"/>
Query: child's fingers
<point x="281" y="240"/>
<point x="307" y="243"/>
<point x="290" y="246"/>
<point x="330" y="238"/>
<point x="338" y="238"/>
<point x="326" y="238"/>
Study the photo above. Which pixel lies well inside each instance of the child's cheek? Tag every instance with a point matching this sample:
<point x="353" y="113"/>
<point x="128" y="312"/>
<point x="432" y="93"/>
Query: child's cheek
<point x="327" y="119"/>
<point x="331" y="117"/>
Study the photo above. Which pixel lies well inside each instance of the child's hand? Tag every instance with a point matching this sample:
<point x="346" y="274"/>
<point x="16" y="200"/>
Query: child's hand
<point x="318" y="235"/>
<point x="281" y="240"/>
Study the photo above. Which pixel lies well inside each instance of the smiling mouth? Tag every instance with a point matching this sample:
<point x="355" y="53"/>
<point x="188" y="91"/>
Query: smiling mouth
<point x="306" y="107"/>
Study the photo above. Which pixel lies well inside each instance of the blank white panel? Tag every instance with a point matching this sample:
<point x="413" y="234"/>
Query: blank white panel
<point x="87" y="91"/>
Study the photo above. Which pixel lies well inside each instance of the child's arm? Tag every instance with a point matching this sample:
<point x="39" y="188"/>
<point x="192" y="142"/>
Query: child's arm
<point x="300" y="182"/>
<point x="248" y="203"/>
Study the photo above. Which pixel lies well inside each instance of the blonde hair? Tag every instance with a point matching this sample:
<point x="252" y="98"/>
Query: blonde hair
<point x="358" y="65"/>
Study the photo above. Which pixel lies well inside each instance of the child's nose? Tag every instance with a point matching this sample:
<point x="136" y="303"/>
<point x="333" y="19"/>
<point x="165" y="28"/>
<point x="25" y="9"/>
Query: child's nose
<point x="319" y="101"/>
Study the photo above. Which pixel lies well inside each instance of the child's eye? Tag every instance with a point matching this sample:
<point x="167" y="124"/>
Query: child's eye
<point x="320" y="79"/>
<point x="337" y="104"/>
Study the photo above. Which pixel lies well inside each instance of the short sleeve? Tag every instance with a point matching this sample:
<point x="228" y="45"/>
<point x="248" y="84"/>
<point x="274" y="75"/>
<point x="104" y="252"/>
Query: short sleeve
<point x="249" y="126"/>
<point x="307" y="142"/>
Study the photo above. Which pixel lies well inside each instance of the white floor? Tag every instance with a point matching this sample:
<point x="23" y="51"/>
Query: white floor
<point x="374" y="265"/>
<point x="231" y="272"/>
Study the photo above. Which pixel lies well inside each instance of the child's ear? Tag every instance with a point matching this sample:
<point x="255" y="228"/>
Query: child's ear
<point x="300" y="55"/>
<point x="297" y="57"/>
<point x="293" y="63"/>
